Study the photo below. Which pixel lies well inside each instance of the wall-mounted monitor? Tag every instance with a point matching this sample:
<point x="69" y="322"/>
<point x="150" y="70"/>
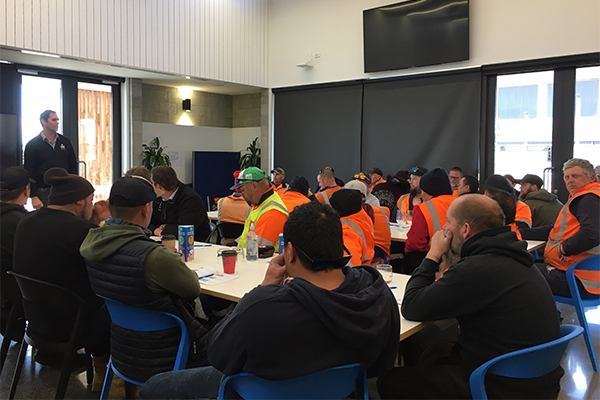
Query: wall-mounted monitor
<point x="415" y="33"/>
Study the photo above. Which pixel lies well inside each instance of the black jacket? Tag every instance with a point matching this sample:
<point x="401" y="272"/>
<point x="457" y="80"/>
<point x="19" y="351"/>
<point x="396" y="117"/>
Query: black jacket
<point x="186" y="208"/>
<point x="280" y="332"/>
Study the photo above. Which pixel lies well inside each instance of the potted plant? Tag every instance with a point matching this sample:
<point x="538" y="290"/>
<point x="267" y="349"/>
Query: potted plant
<point x="252" y="156"/>
<point x="154" y="155"/>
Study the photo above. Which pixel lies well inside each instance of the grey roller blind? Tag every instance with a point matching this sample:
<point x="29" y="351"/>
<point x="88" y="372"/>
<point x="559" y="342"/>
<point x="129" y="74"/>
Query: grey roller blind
<point x="428" y="121"/>
<point x="317" y="127"/>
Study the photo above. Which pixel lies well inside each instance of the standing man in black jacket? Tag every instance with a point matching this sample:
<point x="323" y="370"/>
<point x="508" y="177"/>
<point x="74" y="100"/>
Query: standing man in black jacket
<point x="178" y="205"/>
<point x="47" y="150"/>
<point x="496" y="293"/>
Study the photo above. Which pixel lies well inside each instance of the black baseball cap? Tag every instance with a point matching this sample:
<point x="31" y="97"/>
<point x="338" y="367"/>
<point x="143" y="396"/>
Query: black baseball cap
<point x="532" y="179"/>
<point x="14" y="178"/>
<point x="131" y="191"/>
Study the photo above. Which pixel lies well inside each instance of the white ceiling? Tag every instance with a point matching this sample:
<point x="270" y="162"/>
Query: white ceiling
<point x="151" y="77"/>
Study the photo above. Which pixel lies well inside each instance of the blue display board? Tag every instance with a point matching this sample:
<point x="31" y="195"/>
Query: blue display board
<point x="213" y="173"/>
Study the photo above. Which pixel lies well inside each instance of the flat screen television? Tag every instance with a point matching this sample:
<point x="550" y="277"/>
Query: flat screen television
<point x="415" y="33"/>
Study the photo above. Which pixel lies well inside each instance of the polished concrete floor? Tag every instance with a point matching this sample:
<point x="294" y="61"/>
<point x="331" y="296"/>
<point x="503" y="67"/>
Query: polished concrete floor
<point x="579" y="382"/>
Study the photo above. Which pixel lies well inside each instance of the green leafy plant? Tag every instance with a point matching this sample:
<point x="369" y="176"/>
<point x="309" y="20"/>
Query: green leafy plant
<point x="252" y="156"/>
<point x="154" y="155"/>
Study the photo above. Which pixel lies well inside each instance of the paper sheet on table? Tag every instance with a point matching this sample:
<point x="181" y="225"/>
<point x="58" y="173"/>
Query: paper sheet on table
<point x="216" y="277"/>
<point x="398" y="297"/>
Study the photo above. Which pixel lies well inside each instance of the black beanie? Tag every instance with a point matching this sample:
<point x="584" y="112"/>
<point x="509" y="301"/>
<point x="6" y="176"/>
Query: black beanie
<point x="498" y="182"/>
<point x="436" y="182"/>
<point x="346" y="202"/>
<point x="66" y="188"/>
<point x="299" y="184"/>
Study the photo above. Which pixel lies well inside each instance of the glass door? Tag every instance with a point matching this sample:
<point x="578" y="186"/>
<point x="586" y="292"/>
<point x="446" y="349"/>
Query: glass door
<point x="587" y="122"/>
<point x="95" y="136"/>
<point x="38" y="95"/>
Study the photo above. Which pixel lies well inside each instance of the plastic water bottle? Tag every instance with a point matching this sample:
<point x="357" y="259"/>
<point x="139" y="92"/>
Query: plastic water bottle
<point x="251" y="244"/>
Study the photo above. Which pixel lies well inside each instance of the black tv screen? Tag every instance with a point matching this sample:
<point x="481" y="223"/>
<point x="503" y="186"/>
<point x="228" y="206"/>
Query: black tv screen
<point x="415" y="33"/>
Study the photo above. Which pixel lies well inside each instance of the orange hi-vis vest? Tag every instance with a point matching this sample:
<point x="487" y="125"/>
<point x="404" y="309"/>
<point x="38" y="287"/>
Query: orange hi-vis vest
<point x="293" y="199"/>
<point x="381" y="228"/>
<point x="326" y="194"/>
<point x="233" y="209"/>
<point x="358" y="237"/>
<point x="404" y="202"/>
<point x="566" y="226"/>
<point x="455" y="191"/>
<point x="523" y="213"/>
<point x="434" y="211"/>
<point x="372" y="185"/>
<point x="515" y="229"/>
<point x="279" y="189"/>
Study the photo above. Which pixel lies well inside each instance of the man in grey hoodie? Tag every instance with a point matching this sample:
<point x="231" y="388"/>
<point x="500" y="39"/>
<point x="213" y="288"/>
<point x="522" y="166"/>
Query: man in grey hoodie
<point x="544" y="205"/>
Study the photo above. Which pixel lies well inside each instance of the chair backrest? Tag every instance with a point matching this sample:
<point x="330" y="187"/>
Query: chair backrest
<point x="531" y="362"/>
<point x="379" y="253"/>
<point x="45" y="303"/>
<point x="331" y="383"/>
<point x="587" y="264"/>
<point x="230" y="230"/>
<point x="143" y="320"/>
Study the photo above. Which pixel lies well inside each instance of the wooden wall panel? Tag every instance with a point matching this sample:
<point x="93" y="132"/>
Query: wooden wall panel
<point x="214" y="39"/>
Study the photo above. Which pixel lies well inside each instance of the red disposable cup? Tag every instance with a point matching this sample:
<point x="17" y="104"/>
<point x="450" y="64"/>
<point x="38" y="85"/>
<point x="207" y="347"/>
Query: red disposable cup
<point x="229" y="257"/>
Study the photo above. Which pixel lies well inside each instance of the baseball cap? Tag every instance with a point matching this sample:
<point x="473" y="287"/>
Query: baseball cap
<point x="532" y="179"/>
<point x="14" y="178"/>
<point x="356" y="185"/>
<point x="498" y="182"/>
<point x="278" y="170"/>
<point x="418" y="171"/>
<point x="376" y="170"/>
<point x="131" y="191"/>
<point x="250" y="174"/>
<point x="362" y="176"/>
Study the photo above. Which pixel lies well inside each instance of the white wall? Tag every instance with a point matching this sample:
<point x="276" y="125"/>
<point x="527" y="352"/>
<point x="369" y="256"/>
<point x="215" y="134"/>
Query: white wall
<point x="500" y="30"/>
<point x="183" y="140"/>
<point x="215" y="39"/>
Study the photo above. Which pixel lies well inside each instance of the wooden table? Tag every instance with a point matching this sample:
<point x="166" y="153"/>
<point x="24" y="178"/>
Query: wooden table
<point x="251" y="273"/>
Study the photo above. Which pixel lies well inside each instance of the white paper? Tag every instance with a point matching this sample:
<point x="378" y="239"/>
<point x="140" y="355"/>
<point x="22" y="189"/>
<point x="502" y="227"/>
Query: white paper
<point x="215" y="277"/>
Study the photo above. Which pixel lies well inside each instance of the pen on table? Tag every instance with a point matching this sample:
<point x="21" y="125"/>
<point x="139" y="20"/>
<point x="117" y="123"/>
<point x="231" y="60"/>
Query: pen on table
<point x="202" y="245"/>
<point x="393" y="287"/>
<point x="205" y="276"/>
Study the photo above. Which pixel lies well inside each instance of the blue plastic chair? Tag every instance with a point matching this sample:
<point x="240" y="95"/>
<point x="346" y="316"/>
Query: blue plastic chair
<point x="380" y="253"/>
<point x="531" y="362"/>
<point x="142" y="320"/>
<point x="587" y="264"/>
<point x="331" y="383"/>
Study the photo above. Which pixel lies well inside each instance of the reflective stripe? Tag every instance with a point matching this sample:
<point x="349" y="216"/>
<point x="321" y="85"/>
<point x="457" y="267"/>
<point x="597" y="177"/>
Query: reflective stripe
<point x="273" y="204"/>
<point x="563" y="220"/>
<point x="401" y="199"/>
<point x="590" y="284"/>
<point x="383" y="211"/>
<point x="359" y="232"/>
<point x="326" y="198"/>
<point x="525" y="221"/>
<point x="219" y="209"/>
<point x="435" y="219"/>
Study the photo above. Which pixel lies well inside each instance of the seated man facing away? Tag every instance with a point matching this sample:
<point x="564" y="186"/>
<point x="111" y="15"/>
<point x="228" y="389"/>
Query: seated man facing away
<point x="296" y="194"/>
<point x="233" y="208"/>
<point x="178" y="204"/>
<point x="500" y="299"/>
<point x="47" y="248"/>
<point x="544" y="205"/>
<point x="268" y="212"/>
<point x="575" y="234"/>
<point x="327" y="315"/>
<point x="327" y="185"/>
<point x="125" y="265"/>
<point x="497" y="182"/>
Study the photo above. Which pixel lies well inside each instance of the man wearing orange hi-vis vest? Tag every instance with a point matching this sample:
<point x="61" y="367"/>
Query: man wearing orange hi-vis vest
<point x="576" y="233"/>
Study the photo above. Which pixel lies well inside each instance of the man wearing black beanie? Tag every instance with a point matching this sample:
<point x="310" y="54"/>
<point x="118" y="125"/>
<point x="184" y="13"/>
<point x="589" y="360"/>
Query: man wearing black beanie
<point x="47" y="248"/>
<point x="428" y="217"/>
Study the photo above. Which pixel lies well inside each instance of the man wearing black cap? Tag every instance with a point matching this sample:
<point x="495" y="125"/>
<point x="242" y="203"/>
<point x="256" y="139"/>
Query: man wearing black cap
<point x="278" y="180"/>
<point x="429" y="216"/>
<point x="47" y="248"/>
<point x="14" y="192"/>
<point x="498" y="182"/>
<point x="376" y="175"/>
<point x="412" y="198"/>
<point x="544" y="205"/>
<point x="280" y="331"/>
<point x="296" y="194"/>
<point x="125" y="265"/>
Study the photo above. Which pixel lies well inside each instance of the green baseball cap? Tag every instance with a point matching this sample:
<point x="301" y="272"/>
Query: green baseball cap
<point x="250" y="174"/>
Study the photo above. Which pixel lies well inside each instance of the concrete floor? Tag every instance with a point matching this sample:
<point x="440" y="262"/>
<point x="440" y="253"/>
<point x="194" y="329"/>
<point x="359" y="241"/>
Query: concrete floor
<point x="39" y="382"/>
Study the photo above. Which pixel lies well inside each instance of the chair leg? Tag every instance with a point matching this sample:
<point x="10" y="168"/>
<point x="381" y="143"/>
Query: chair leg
<point x="18" y="368"/>
<point x="586" y="336"/>
<point x="89" y="368"/>
<point x="107" y="381"/>
<point x="10" y="325"/>
<point x="65" y="374"/>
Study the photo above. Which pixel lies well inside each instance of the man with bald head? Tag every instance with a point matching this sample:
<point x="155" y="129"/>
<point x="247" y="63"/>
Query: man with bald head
<point x="498" y="296"/>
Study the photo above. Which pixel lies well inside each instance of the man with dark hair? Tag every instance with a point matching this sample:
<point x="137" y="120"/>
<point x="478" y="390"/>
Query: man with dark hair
<point x="455" y="174"/>
<point x="47" y="150"/>
<point x="499" y="183"/>
<point x="544" y="205"/>
<point x="177" y="204"/>
<point x="575" y="234"/>
<point x="468" y="184"/>
<point x="14" y="192"/>
<point x="125" y="265"/>
<point x="499" y="298"/>
<point x="289" y="328"/>
<point x="55" y="234"/>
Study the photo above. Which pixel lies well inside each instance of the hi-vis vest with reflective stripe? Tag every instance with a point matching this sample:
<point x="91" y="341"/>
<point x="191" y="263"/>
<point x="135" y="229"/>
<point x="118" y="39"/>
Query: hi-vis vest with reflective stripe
<point x="566" y="226"/>
<point x="326" y="194"/>
<point x="404" y="202"/>
<point x="273" y="202"/>
<point x="233" y="209"/>
<point x="381" y="228"/>
<point x="434" y="211"/>
<point x="523" y="213"/>
<point x="362" y="256"/>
